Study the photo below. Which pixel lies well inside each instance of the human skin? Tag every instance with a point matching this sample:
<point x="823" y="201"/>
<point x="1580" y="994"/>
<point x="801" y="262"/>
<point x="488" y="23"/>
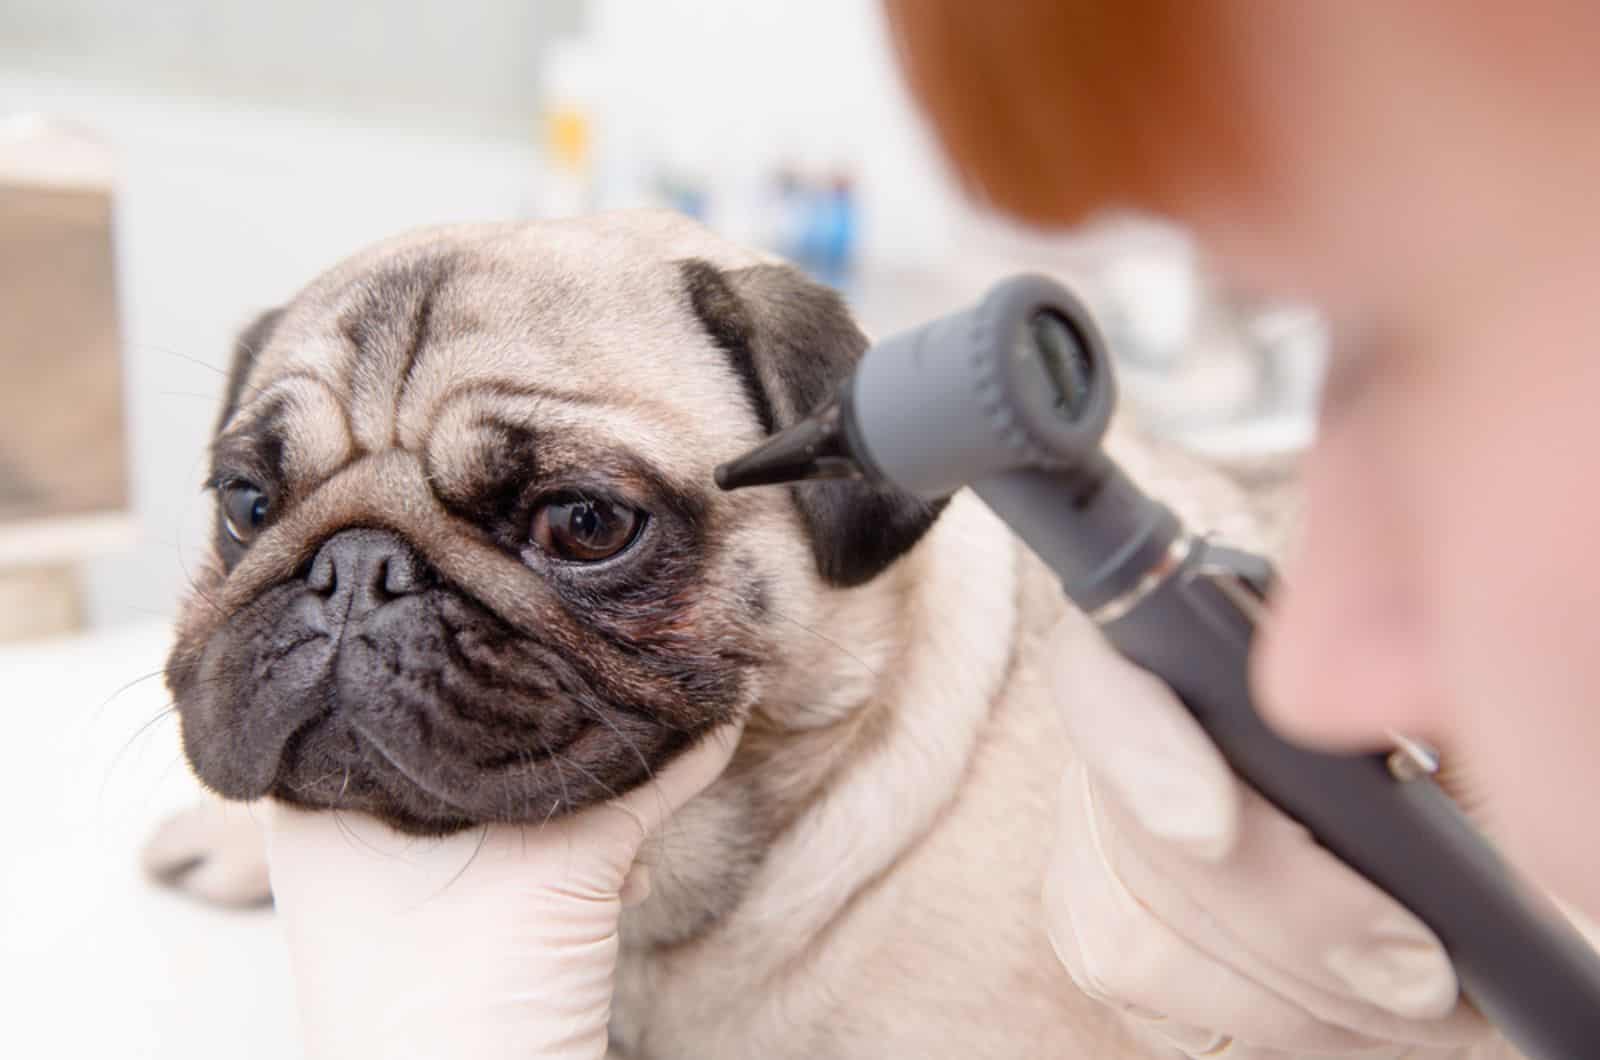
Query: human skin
<point x="1433" y="192"/>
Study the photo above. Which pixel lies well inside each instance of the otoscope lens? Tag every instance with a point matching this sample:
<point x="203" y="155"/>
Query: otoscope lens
<point x="1066" y="361"/>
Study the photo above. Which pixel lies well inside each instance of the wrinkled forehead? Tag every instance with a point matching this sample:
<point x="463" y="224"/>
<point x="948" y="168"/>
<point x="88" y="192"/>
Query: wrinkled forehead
<point x="585" y="343"/>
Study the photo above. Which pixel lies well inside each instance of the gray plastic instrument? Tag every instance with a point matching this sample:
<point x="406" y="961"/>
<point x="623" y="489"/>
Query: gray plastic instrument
<point x="1012" y="397"/>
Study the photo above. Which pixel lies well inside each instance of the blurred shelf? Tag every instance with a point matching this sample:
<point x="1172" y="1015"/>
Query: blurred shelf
<point x="64" y="540"/>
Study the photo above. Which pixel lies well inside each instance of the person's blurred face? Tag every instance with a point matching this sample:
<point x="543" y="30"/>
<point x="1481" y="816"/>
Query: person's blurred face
<point x="1432" y="184"/>
<point x="1446" y="583"/>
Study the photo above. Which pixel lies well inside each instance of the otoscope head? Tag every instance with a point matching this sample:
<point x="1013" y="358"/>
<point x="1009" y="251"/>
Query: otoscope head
<point x="1020" y="380"/>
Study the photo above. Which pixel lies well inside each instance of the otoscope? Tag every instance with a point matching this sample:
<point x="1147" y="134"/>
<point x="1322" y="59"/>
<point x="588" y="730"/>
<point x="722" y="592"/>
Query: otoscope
<point x="1012" y="397"/>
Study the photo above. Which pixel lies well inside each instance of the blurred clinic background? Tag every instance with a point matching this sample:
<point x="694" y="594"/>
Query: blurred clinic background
<point x="168" y="169"/>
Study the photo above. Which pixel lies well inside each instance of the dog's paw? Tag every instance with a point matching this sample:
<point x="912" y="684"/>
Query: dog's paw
<point x="212" y="851"/>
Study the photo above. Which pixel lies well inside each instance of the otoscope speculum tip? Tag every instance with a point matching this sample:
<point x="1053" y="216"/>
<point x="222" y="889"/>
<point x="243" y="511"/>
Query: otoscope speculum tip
<point x="814" y="448"/>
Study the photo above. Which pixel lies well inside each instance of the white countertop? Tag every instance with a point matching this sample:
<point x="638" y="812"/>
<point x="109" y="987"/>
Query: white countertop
<point x="94" y="960"/>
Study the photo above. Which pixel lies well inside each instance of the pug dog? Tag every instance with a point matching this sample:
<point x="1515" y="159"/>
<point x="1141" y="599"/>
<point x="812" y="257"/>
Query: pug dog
<point x="470" y="566"/>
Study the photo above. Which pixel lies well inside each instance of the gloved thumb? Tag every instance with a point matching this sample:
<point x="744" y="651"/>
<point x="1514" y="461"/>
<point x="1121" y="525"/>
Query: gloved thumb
<point x="1137" y="740"/>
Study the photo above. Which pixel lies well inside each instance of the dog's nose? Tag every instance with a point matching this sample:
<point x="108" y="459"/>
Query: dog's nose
<point x="358" y="571"/>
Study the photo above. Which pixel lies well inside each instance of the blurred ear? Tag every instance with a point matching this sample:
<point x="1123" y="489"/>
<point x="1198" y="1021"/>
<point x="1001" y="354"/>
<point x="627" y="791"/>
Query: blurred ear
<point x="791" y="342"/>
<point x="251" y="341"/>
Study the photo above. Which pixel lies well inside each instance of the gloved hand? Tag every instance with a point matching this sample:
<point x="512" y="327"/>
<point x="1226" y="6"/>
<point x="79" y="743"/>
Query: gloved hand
<point x="1185" y="899"/>
<point x="497" y="942"/>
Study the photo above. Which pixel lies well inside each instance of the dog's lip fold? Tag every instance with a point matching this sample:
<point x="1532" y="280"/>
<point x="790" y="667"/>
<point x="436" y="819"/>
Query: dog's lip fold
<point x="488" y="789"/>
<point x="266" y="771"/>
<point x="415" y="777"/>
<point x="427" y="795"/>
<point x="248" y="777"/>
<point x="455" y="792"/>
<point x="455" y="799"/>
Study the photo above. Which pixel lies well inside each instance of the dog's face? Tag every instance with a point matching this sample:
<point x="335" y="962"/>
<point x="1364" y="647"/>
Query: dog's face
<point x="469" y="563"/>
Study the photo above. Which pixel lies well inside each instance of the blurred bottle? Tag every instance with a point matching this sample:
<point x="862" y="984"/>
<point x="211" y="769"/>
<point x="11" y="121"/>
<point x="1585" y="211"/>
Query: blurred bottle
<point x="784" y="211"/>
<point x="570" y="109"/>
<point x="679" y="188"/>
<point x="833" y="237"/>
<point x="813" y="223"/>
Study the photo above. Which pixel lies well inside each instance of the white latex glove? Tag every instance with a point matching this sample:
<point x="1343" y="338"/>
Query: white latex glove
<point x="1183" y="898"/>
<point x="491" y="943"/>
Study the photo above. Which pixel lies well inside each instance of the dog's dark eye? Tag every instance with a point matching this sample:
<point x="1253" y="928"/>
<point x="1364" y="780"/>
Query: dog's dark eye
<point x="244" y="510"/>
<point x="584" y="529"/>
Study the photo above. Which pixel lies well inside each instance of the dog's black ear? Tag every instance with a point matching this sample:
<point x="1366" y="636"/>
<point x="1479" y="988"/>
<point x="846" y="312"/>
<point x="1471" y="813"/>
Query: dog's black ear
<point x="251" y="341"/>
<point x="791" y="342"/>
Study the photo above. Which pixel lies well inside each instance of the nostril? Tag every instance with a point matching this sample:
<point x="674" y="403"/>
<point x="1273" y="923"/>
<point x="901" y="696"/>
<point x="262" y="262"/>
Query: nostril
<point x="323" y="577"/>
<point x="400" y="576"/>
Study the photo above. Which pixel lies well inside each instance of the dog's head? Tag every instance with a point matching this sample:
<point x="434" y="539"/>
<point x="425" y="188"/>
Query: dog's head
<point x="469" y="562"/>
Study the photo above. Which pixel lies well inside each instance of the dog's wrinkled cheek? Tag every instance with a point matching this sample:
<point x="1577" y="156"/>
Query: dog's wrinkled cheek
<point x="244" y="693"/>
<point x="199" y="619"/>
<point x="677" y="641"/>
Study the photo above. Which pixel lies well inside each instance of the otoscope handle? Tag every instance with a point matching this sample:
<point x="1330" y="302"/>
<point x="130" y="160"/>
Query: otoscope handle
<point x="1182" y="608"/>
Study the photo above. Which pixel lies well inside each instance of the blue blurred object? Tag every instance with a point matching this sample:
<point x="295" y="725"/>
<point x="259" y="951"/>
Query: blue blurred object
<point x="833" y="234"/>
<point x="685" y="195"/>
<point x="815" y="225"/>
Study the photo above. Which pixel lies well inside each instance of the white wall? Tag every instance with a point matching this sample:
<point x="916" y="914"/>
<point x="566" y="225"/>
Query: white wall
<point x="464" y="64"/>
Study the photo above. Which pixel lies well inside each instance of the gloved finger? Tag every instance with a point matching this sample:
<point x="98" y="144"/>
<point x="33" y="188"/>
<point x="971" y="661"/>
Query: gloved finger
<point x="1247" y="870"/>
<point x="684" y="777"/>
<point x="1283" y="911"/>
<point x="1201" y="1044"/>
<point x="612" y="833"/>
<point x="1117" y="951"/>
<point x="1139" y="740"/>
<point x="1292" y="913"/>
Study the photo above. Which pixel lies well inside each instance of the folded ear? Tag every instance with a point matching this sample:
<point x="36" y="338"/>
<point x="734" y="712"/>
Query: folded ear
<point x="251" y="341"/>
<point x="791" y="342"/>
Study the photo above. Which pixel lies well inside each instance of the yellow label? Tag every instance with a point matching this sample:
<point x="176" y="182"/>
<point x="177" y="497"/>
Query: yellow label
<point x="567" y="136"/>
